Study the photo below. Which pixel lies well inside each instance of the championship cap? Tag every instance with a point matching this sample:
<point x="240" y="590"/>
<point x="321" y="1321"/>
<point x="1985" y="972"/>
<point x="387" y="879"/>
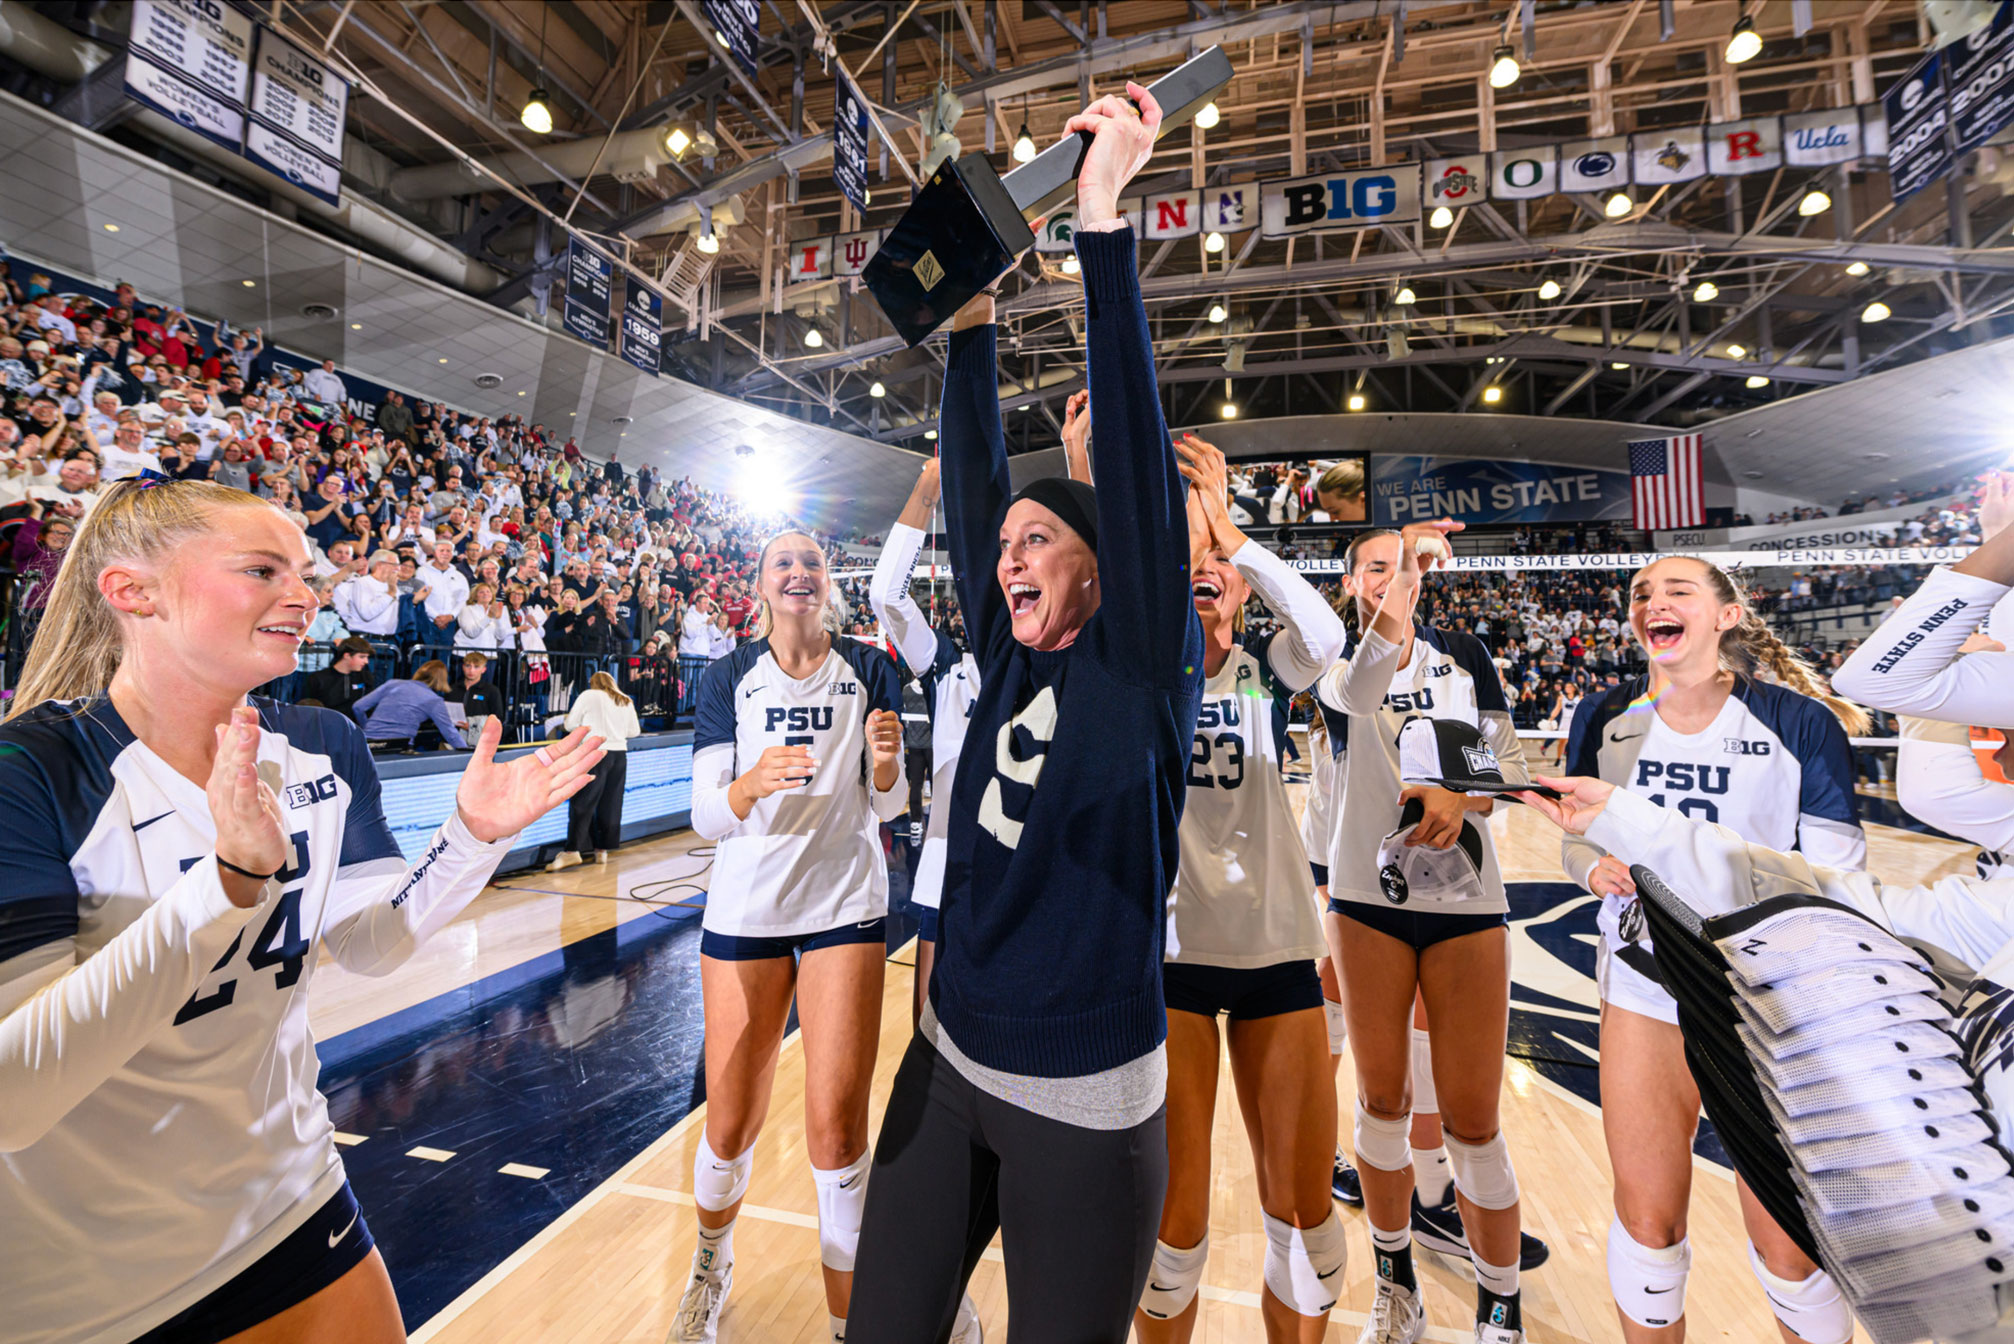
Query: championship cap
<point x="1438" y="876"/>
<point x="1455" y="755"/>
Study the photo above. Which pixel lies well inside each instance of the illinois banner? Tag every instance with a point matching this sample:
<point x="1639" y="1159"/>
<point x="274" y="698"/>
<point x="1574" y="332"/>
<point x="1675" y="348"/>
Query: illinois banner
<point x="809" y="259"/>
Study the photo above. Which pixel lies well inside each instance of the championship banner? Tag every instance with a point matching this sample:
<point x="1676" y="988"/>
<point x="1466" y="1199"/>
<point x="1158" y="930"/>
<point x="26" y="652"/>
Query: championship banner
<point x="1174" y="214"/>
<point x="1737" y="147"/>
<point x="1816" y="139"/>
<point x="297" y="108"/>
<point x="1666" y="158"/>
<point x="1059" y="231"/>
<point x="809" y="260"/>
<point x="738" y="25"/>
<point x="1352" y="200"/>
<point x="1979" y="80"/>
<point x="1224" y="209"/>
<point x="1408" y="488"/>
<point x="642" y="326"/>
<point x="849" y="143"/>
<point x="852" y="251"/>
<point x="1919" y="141"/>
<point x="192" y="63"/>
<point x="1458" y="182"/>
<point x="1594" y="165"/>
<point x="1525" y="174"/>
<point x="585" y="312"/>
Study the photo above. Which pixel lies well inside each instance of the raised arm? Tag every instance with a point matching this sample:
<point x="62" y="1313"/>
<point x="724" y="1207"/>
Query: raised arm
<point x="1938" y="780"/>
<point x="977" y="486"/>
<point x="888" y="590"/>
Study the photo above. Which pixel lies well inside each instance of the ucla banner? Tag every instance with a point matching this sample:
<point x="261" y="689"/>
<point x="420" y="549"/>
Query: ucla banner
<point x="1414" y="488"/>
<point x="1354" y="200"/>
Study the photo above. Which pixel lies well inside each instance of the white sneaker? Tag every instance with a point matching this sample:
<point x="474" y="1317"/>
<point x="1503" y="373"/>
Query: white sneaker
<point x="699" y="1310"/>
<point x="966" y="1329"/>
<point x="601" y="856"/>
<point x="1497" y="1334"/>
<point x="566" y="859"/>
<point x="1396" y="1317"/>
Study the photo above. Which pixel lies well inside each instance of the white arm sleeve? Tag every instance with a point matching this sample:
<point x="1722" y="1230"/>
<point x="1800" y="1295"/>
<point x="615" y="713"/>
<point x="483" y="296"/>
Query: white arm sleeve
<point x="712" y="774"/>
<point x="1938" y="780"/>
<point x="69" y="1028"/>
<point x="890" y="803"/>
<point x="381" y="910"/>
<point x="894" y="606"/>
<point x="1911" y="664"/>
<point x="1579" y="856"/>
<point x="1311" y="634"/>
<point x="1358" y="686"/>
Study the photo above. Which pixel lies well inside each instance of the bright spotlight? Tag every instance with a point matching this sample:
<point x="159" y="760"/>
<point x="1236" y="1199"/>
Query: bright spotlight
<point x="1218" y="312"/>
<point x="1756" y="380"/>
<point x="930" y="434"/>
<point x="537" y="113"/>
<point x="1707" y="292"/>
<point x="1229" y="410"/>
<point x="1357" y="402"/>
<point x="1618" y="205"/>
<point x="1441" y="218"/>
<point x="1024" y="145"/>
<point x="812" y="339"/>
<point x="709" y="242"/>
<point x="878" y="390"/>
<point x="1070" y="266"/>
<point x="1493" y="394"/>
<point x="676" y="141"/>
<point x="1815" y="202"/>
<point x="1549" y="290"/>
<point x="1736" y="350"/>
<point x="1405" y="296"/>
<point x="1503" y="67"/>
<point x="1876" y="311"/>
<point x="1856" y="268"/>
<point x="1213" y="241"/>
<point x="1208" y="118"/>
<point x="1618" y="366"/>
<point x="1745" y="42"/>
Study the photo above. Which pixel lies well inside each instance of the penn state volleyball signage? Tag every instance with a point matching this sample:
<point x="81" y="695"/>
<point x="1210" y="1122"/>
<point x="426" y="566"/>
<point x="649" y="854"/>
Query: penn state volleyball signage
<point x="1411" y="488"/>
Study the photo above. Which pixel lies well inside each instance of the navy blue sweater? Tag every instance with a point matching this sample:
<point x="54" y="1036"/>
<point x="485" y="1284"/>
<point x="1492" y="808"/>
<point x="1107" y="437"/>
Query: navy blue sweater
<point x="1062" y="843"/>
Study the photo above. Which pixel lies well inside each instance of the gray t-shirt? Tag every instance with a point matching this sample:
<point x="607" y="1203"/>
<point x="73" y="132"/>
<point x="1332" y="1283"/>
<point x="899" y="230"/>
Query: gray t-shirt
<point x="1117" y="1098"/>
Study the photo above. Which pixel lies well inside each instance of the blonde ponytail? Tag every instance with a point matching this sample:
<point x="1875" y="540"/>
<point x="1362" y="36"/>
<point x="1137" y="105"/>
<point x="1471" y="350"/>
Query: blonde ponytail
<point x="77" y="647"/>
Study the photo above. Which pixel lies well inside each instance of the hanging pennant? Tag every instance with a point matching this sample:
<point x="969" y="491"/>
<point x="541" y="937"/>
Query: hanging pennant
<point x="810" y="259"/>
<point x="1174" y="214"/>
<point x="1524" y="174"/>
<point x="851" y="251"/>
<point x="1662" y="158"/>
<point x="1815" y="139"/>
<point x="1224" y="209"/>
<point x="1594" y="165"/>
<point x="1059" y="231"/>
<point x="1457" y="182"/>
<point x="1752" y="146"/>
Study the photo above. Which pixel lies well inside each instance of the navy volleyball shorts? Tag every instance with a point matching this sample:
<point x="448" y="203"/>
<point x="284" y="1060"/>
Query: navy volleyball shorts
<point x="728" y="947"/>
<point x="1258" y="991"/>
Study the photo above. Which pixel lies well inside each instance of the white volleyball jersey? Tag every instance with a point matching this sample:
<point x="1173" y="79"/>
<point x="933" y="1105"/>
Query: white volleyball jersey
<point x="1318" y="816"/>
<point x="1243" y="896"/>
<point x="805" y="859"/>
<point x="161" y="1130"/>
<point x="1450" y="676"/>
<point x="1774" y="767"/>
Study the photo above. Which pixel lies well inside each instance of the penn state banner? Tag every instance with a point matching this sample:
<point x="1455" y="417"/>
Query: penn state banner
<point x="1594" y="165"/>
<point x="1411" y="488"/>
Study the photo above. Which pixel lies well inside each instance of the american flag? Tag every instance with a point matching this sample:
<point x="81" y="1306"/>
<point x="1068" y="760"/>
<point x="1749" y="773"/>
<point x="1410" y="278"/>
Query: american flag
<point x="1665" y="483"/>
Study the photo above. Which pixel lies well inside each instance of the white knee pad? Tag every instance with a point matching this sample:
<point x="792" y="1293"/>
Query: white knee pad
<point x="1483" y="1171"/>
<point x="1425" y="1102"/>
<point x="1339" y="1027"/>
<point x="1384" y="1144"/>
<point x="1173" y="1278"/>
<point x="1812" y="1308"/>
<point x="842" y="1198"/>
<point x="1304" y="1266"/>
<point x="718" y="1185"/>
<point x="1648" y="1282"/>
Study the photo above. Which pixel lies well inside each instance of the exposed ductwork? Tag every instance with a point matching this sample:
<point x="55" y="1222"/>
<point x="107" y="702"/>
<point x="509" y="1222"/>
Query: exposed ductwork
<point x="630" y="156"/>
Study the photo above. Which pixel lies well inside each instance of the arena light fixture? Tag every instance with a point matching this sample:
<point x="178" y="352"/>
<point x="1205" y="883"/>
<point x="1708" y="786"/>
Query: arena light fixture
<point x="709" y="243"/>
<point x="1503" y="67"/>
<point x="1025" y="406"/>
<point x="1357" y="402"/>
<point x="1744" y="44"/>
<point x="1218" y="312"/>
<point x="1213" y="241"/>
<point x="1618" y="205"/>
<point x="1815" y="202"/>
<point x="1618" y="366"/>
<point x="878" y="390"/>
<point x="1441" y="218"/>
<point x="1736" y="350"/>
<point x="1208" y="117"/>
<point x="1852" y="267"/>
<point x="1070" y="266"/>
<point x="1229" y="410"/>
<point x="356" y="326"/>
<point x="1706" y="292"/>
<point x="1876" y="311"/>
<point x="812" y="339"/>
<point x="1024" y="145"/>
<point x="537" y="113"/>
<point x="1405" y="296"/>
<point x="1549" y="290"/>
<point x="443" y="359"/>
<point x="249" y="284"/>
<point x="676" y="141"/>
<point x="930" y="434"/>
<point x="1493" y="394"/>
<point x="1756" y="380"/>
<point x="111" y="228"/>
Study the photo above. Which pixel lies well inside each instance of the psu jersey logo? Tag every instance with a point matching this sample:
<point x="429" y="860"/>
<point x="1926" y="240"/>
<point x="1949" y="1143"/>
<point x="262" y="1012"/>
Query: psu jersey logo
<point x="798" y="719"/>
<point x="315" y="791"/>
<point x="1737" y="747"/>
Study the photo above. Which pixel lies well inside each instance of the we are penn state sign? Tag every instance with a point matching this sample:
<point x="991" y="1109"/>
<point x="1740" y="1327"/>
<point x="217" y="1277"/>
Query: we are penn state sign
<point x="1350" y="200"/>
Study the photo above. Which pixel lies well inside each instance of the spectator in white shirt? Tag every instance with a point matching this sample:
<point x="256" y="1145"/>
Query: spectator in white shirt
<point x="50" y="318"/>
<point x="482" y="623"/>
<point x="719" y="639"/>
<point x="128" y="454"/>
<point x="447" y="593"/>
<point x="695" y="638"/>
<point x="324" y="386"/>
<point x="369" y="603"/>
<point x="104" y="416"/>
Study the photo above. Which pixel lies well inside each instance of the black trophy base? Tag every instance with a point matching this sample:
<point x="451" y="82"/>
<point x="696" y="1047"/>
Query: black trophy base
<point x="959" y="235"/>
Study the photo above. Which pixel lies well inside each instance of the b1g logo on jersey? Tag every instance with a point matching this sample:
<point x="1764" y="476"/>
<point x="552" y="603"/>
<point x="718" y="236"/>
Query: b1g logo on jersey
<point x="842" y="688"/>
<point x="799" y="719"/>
<point x="1738" y="747"/>
<point x="315" y="791"/>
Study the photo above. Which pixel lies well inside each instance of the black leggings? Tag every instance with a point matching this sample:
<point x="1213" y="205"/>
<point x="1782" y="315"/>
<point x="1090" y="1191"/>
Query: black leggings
<point x="594" y="815"/>
<point x="1078" y="1210"/>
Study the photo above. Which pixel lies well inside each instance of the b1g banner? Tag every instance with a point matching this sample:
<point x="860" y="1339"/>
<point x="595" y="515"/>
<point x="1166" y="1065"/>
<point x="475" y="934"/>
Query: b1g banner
<point x="297" y="110"/>
<point x="191" y="61"/>
<point x="1413" y="488"/>
<point x="1354" y="200"/>
<point x="1979" y="79"/>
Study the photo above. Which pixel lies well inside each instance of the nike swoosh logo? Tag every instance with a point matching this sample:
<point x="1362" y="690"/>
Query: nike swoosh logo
<point x="1626" y="737"/>
<point x="1160" y="1287"/>
<point x="1655" y="1291"/>
<point x="143" y="825"/>
<point x="864" y="924"/>
<point x="847" y="1184"/>
<point x="335" y="1238"/>
<point x="1331" y="1274"/>
<point x="752" y="691"/>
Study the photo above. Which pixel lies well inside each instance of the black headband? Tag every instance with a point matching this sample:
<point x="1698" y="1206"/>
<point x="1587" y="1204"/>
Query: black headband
<point x="1072" y="501"/>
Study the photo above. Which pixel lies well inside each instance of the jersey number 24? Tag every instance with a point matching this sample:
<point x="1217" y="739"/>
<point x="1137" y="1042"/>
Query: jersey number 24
<point x="279" y="942"/>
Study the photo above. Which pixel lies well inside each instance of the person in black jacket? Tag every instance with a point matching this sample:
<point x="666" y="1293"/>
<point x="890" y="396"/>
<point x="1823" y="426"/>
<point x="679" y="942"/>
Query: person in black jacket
<point x="480" y="696"/>
<point x="344" y="682"/>
<point x="1032" y="1099"/>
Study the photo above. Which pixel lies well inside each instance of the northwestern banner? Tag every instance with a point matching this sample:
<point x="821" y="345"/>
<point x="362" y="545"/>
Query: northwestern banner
<point x="1354" y="200"/>
<point x="1979" y="80"/>
<point x="849" y="144"/>
<point x="1414" y="488"/>
<point x="192" y="63"/>
<point x="585" y="312"/>
<point x="738" y="25"/>
<point x="642" y="325"/>
<point x="1919" y="140"/>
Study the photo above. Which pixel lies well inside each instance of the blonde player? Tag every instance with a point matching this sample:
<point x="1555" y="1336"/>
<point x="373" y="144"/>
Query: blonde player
<point x="177" y="861"/>
<point x="1728" y="726"/>
<point x="1446" y="943"/>
<point x="797" y="756"/>
<point x="1242" y="941"/>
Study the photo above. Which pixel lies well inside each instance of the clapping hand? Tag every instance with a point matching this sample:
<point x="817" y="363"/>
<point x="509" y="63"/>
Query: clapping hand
<point x="497" y="800"/>
<point x="884" y="736"/>
<point x="243" y="807"/>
